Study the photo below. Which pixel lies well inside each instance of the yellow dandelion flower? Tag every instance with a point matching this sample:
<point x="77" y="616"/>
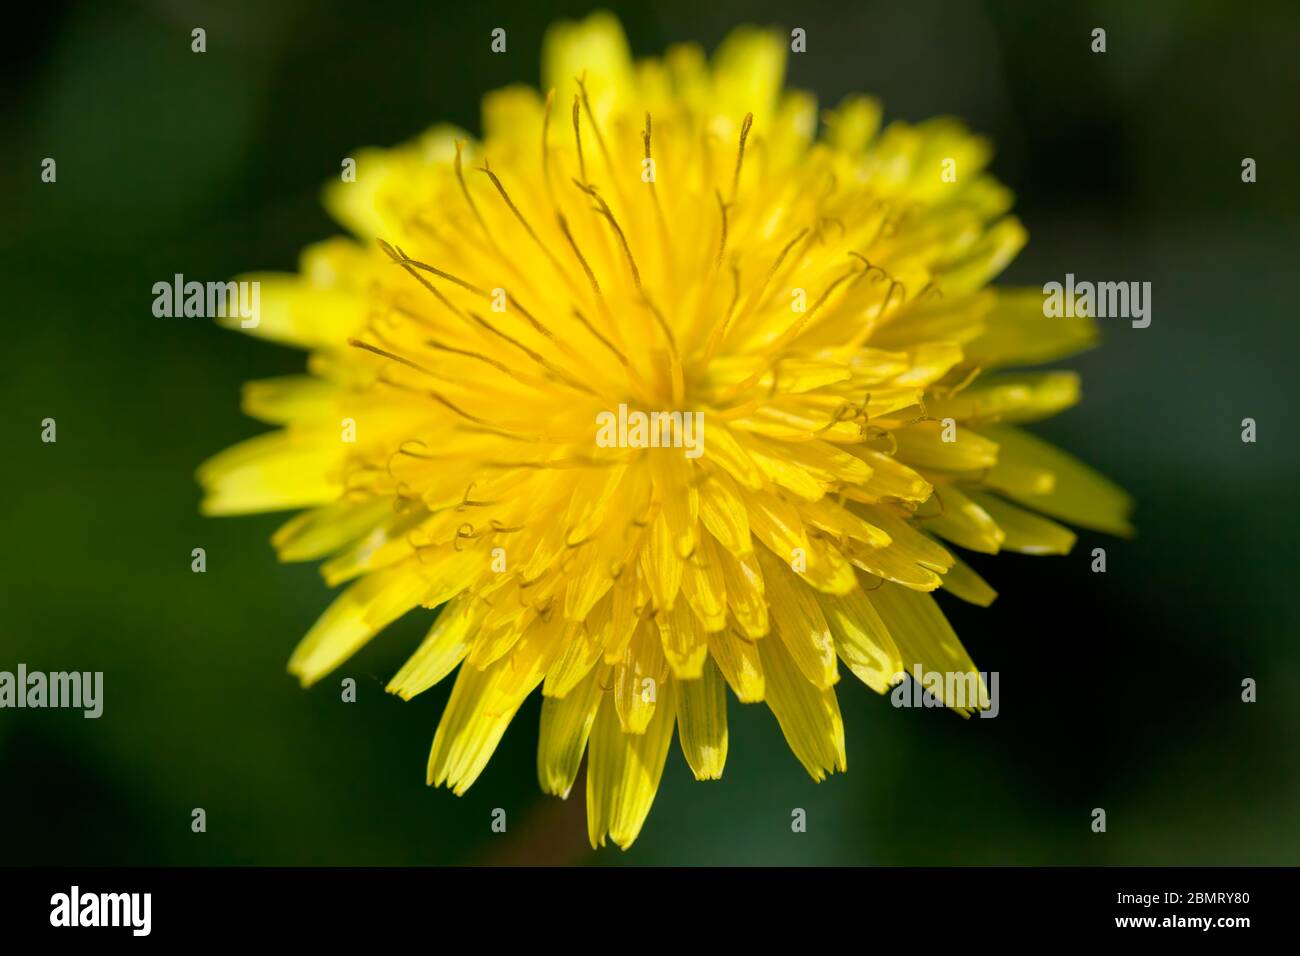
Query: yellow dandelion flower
<point x="655" y="391"/>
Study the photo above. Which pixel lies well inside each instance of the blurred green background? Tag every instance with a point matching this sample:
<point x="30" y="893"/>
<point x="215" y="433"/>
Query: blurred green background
<point x="1119" y="690"/>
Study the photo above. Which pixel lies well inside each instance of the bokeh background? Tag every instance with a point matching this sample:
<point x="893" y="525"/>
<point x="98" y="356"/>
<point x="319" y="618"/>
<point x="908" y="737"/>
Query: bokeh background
<point x="1119" y="690"/>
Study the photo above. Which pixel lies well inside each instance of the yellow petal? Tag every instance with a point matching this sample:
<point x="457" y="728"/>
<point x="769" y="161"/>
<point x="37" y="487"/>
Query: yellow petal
<point x="271" y="472"/>
<point x="589" y="577"/>
<point x="496" y="636"/>
<point x="595" y="49"/>
<point x="296" y="312"/>
<point x="1025" y="531"/>
<point x="911" y="559"/>
<point x="372" y="206"/>
<point x="535" y="654"/>
<point x="638" y="679"/>
<point x="385" y="545"/>
<point x="861" y="639"/>
<point x="685" y="645"/>
<point x="469" y="731"/>
<point x="676" y="489"/>
<point x="702" y="722"/>
<point x="1018" y="479"/>
<point x="928" y="363"/>
<point x="828" y="569"/>
<point x="704" y="585"/>
<point x="745" y="593"/>
<point x="583" y="643"/>
<point x="588" y="511"/>
<point x="278" y="401"/>
<point x="1018" y="333"/>
<point x="963" y="522"/>
<point x="1079" y="494"/>
<point x="623" y="771"/>
<point x="513" y="115"/>
<point x="799" y="622"/>
<point x="355" y="616"/>
<point x="565" y="725"/>
<point x="905" y="540"/>
<point x="779" y="469"/>
<point x="748" y="71"/>
<point x="724" y="450"/>
<point x="793" y="128"/>
<point x="1023" y="397"/>
<point x="797" y="375"/>
<point x="777" y="524"/>
<point x="322" y="531"/>
<point x="662" y="564"/>
<point x="923" y="445"/>
<point x="445" y="646"/>
<point x="482" y="704"/>
<point x="992" y="253"/>
<point x="809" y="716"/>
<point x="737" y="658"/>
<point x="625" y="614"/>
<point x="924" y="637"/>
<point x="722" y="511"/>
<point x="854" y="123"/>
<point x="824" y="461"/>
<point x="890" y="478"/>
<point x="962" y="581"/>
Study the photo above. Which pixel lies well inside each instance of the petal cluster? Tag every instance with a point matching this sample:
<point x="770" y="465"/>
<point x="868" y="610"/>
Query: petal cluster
<point x="680" y="236"/>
